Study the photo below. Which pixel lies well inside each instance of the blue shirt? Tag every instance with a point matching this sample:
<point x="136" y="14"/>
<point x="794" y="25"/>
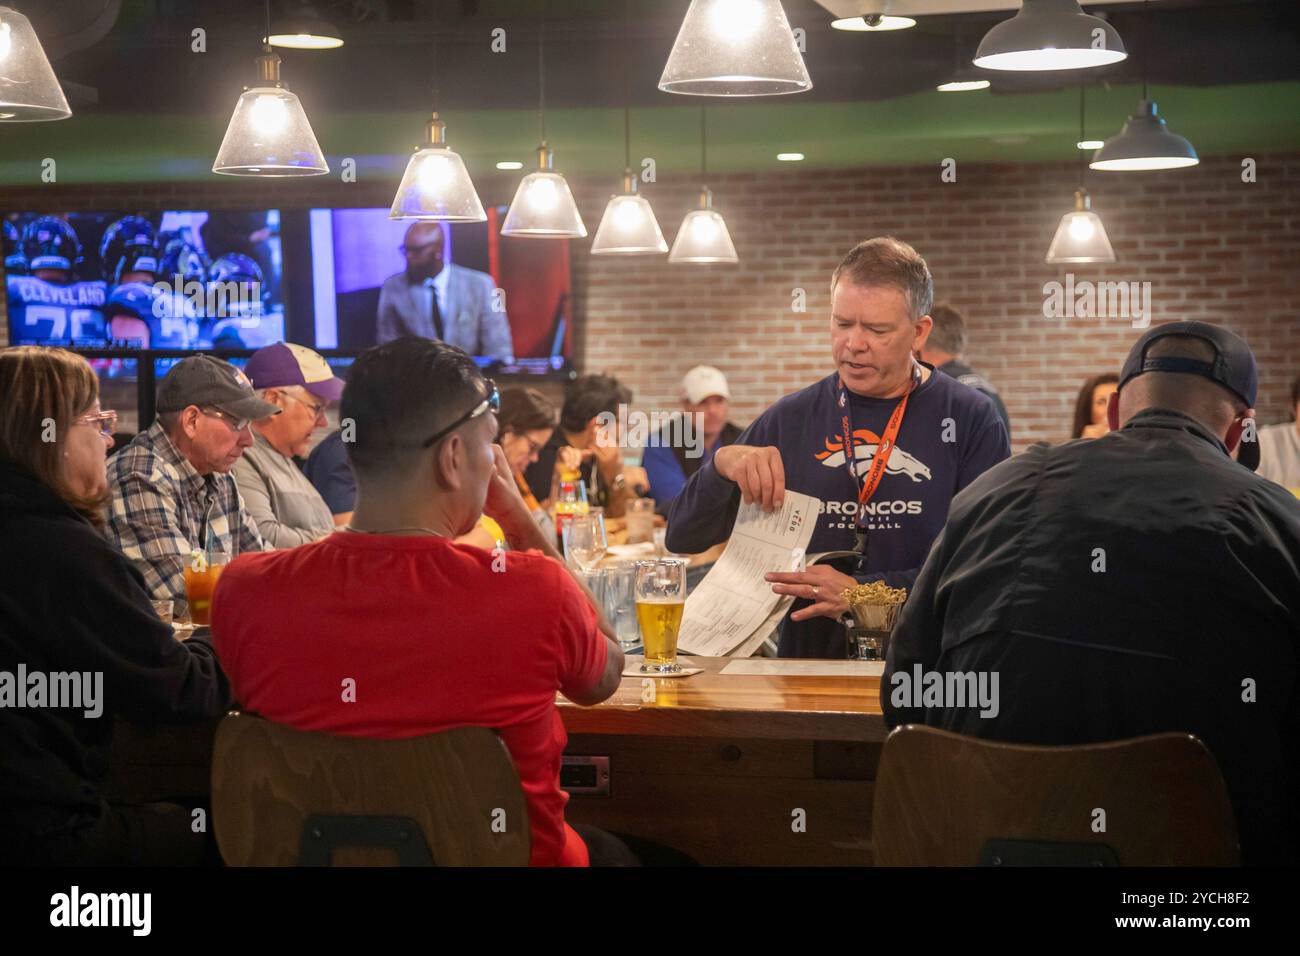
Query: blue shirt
<point x="328" y="470"/>
<point x="43" y="312"/>
<point x="664" y="470"/>
<point x="950" y="435"/>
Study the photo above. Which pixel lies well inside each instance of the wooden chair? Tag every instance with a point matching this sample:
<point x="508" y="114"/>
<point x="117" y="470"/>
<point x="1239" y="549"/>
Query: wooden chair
<point x="282" y="797"/>
<point x="942" y="799"/>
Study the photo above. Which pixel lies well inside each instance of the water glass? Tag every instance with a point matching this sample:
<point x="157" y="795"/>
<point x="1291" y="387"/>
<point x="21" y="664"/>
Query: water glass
<point x="584" y="540"/>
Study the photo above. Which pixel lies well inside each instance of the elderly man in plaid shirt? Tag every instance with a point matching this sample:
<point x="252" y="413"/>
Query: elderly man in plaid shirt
<point x="172" y="488"/>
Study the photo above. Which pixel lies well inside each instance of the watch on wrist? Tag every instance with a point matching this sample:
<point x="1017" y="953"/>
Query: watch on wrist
<point x="619" y="483"/>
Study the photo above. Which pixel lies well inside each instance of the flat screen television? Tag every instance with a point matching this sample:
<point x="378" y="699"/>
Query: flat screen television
<point x="177" y="279"/>
<point x="505" y="301"/>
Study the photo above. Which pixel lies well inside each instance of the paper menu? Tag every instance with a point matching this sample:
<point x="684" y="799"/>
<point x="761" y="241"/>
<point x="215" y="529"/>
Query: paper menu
<point x="733" y="601"/>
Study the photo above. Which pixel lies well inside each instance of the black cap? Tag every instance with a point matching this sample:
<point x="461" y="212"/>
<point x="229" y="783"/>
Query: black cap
<point x="204" y="380"/>
<point x="1233" y="368"/>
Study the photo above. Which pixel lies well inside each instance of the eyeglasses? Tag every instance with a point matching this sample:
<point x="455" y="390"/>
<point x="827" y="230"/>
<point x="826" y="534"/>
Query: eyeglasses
<point x="104" y="422"/>
<point x="238" y="424"/>
<point x="490" y="404"/>
<point x="416" y="250"/>
<point x="316" y="410"/>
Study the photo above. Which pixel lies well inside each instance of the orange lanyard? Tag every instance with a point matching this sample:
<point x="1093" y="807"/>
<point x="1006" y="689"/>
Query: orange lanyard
<point x="881" y="458"/>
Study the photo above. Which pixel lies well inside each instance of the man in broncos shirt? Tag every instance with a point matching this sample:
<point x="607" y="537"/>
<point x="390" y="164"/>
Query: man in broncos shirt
<point x="881" y="294"/>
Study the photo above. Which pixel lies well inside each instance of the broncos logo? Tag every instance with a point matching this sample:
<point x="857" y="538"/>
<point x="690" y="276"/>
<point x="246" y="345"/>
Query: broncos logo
<point x="865" y="443"/>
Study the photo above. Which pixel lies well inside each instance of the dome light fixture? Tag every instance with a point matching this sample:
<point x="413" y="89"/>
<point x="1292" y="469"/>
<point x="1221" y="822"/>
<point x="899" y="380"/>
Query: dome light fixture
<point x="1145" y="143"/>
<point x="703" y="238"/>
<point x="1080" y="236"/>
<point x="269" y="133"/>
<point x="543" y="207"/>
<point x="872" y="23"/>
<point x="735" y="48"/>
<point x="29" y="91"/>
<point x="436" y="185"/>
<point x="1050" y="35"/>
<point x="305" y="29"/>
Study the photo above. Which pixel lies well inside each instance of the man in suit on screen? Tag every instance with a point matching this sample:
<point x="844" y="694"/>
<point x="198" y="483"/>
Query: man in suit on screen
<point x="440" y="300"/>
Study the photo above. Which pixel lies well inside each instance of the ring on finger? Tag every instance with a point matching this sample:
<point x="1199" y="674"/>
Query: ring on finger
<point x="814" y="590"/>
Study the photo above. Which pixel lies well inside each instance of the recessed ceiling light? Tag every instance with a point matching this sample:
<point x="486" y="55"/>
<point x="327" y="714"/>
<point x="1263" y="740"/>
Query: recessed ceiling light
<point x="873" y="23"/>
<point x="1091" y="143"/>
<point x="790" y="157"/>
<point x="510" y="164"/>
<point x="962" y="86"/>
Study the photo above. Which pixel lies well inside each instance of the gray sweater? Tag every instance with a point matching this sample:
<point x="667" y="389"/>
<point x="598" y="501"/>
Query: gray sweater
<point x="288" y="510"/>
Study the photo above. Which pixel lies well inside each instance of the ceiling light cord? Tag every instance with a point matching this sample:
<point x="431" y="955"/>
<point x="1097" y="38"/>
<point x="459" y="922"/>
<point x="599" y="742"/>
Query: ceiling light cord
<point x="1083" y="160"/>
<point x="541" y="74"/>
<point x="704" y="147"/>
<point x="266" y="37"/>
<point x="1146" y="45"/>
<point x="627" y="86"/>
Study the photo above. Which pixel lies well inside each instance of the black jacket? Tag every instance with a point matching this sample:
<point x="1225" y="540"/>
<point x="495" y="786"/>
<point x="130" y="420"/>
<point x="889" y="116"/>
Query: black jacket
<point x="69" y="602"/>
<point x="1139" y="583"/>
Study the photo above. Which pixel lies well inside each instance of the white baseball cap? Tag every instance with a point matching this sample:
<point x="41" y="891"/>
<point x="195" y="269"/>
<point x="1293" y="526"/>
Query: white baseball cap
<point x="702" y="381"/>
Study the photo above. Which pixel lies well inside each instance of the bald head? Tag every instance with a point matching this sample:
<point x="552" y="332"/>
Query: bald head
<point x="1194" y="395"/>
<point x="422" y="247"/>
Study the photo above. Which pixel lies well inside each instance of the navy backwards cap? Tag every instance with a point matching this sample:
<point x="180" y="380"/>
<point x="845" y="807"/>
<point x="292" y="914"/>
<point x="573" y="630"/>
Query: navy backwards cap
<point x="1233" y="368"/>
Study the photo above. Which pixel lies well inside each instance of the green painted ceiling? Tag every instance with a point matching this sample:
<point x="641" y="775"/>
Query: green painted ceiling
<point x="743" y="136"/>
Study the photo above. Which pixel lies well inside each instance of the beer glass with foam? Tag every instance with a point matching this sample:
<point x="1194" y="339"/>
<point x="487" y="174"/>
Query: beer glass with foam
<point x="660" y="599"/>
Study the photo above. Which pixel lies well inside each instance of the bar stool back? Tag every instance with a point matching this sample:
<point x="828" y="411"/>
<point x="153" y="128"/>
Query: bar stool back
<point x="943" y="799"/>
<point x="282" y="797"/>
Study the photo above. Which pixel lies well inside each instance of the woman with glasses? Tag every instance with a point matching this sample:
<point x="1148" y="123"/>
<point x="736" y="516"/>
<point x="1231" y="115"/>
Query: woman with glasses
<point x="524" y="425"/>
<point x="80" y="641"/>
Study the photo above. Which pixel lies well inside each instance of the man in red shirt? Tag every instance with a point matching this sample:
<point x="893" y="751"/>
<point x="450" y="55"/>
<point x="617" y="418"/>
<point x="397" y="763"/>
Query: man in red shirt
<point x="389" y="629"/>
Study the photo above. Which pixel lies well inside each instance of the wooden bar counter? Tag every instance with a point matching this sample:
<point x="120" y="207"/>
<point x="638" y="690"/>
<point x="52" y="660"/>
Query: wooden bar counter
<point x="732" y="769"/>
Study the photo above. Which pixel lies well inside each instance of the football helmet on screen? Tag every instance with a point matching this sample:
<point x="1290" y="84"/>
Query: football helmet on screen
<point x="128" y="245"/>
<point x="50" y="243"/>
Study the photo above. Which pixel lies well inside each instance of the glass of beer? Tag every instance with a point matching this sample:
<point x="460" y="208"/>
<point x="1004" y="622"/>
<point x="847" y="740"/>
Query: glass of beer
<point x="660" y="599"/>
<point x="201" y="573"/>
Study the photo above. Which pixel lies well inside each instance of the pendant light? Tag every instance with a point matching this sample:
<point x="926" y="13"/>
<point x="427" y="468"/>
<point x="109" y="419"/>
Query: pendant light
<point x="873" y="23"/>
<point x="964" y="78"/>
<point x="543" y="207"/>
<point x="703" y="237"/>
<point x="1145" y="142"/>
<point x="1080" y="237"/>
<point x="29" y="91"/>
<point x="269" y="134"/>
<point x="735" y="48"/>
<point x="305" y="29"/>
<point x="629" y="227"/>
<point x="1049" y="35"/>
<point x="436" y="186"/>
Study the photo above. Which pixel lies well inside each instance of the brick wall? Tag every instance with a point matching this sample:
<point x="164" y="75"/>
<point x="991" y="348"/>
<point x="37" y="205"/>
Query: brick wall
<point x="1213" y="248"/>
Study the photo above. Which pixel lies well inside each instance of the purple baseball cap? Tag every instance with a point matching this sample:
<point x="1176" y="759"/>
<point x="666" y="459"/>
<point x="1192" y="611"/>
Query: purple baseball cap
<point x="281" y="364"/>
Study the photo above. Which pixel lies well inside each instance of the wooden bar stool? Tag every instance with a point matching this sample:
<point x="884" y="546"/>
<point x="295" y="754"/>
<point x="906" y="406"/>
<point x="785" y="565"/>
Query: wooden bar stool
<point x="282" y="797"/>
<point x="943" y="799"/>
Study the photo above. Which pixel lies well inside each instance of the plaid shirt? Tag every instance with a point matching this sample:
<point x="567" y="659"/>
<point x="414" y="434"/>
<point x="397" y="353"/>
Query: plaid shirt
<point x="163" y="509"/>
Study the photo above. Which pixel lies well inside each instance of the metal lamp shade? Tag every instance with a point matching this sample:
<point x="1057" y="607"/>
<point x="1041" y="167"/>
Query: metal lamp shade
<point x="437" y="186"/>
<point x="1080" y="237"/>
<point x="735" y="48"/>
<point x="305" y="29"/>
<point x="269" y="135"/>
<point x="1145" y="143"/>
<point x="29" y="91"/>
<point x="628" y="228"/>
<point x="543" y="208"/>
<point x="1050" y="35"/>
